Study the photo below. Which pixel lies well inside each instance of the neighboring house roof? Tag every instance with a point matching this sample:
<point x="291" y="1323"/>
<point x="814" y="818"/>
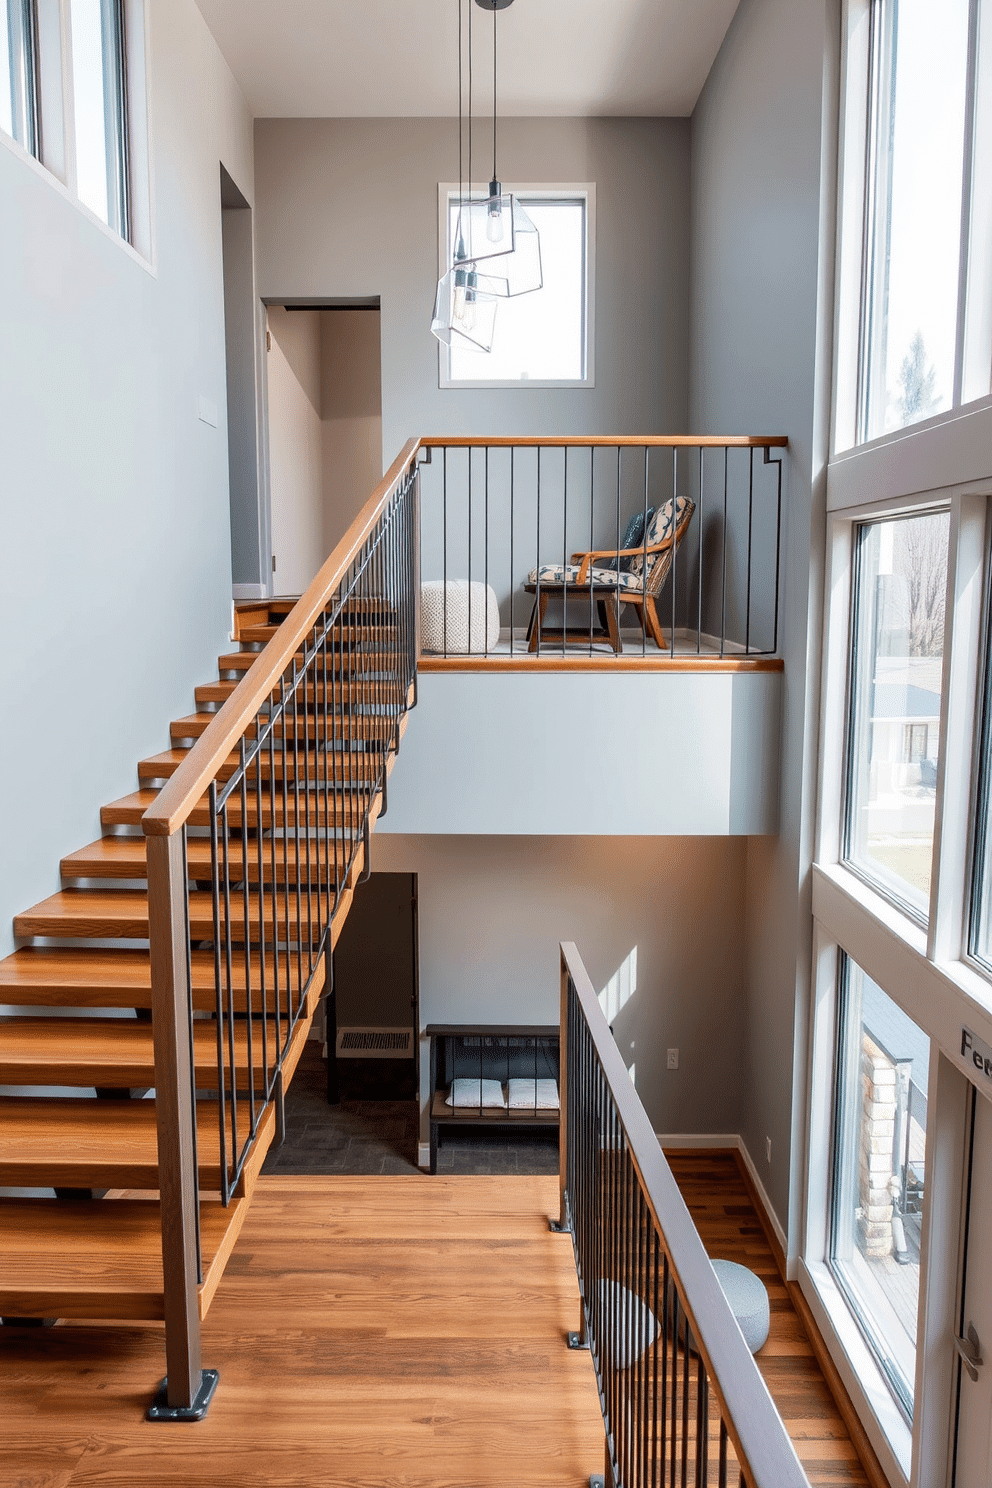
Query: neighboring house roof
<point x="905" y="700"/>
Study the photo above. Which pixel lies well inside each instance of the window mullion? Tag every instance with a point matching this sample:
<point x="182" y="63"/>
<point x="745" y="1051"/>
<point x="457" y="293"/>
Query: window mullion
<point x="947" y="934"/>
<point x="966" y="201"/>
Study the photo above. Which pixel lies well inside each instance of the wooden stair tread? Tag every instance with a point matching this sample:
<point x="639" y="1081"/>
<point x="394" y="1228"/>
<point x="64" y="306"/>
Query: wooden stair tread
<point x="306" y="724"/>
<point x="261" y="635"/>
<point x="350" y="662"/>
<point x="128" y="810"/>
<point x="123" y="913"/>
<point x="341" y="764"/>
<point x="77" y="976"/>
<point x="72" y="1142"/>
<point x="98" y="1258"/>
<point x="126" y="857"/>
<point x="112" y="1052"/>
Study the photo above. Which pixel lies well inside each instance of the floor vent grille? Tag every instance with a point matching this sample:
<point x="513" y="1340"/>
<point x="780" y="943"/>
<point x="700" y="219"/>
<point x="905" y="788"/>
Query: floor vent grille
<point x="374" y="1043"/>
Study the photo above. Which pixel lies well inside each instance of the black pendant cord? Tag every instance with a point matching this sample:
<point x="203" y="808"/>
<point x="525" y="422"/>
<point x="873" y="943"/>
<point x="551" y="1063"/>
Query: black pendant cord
<point x="461" y="174"/>
<point x="470" y="98"/>
<point x="494" y="93"/>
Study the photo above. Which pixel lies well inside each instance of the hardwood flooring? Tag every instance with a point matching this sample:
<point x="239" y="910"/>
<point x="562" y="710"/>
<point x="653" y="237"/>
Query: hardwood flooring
<point x="391" y="1331"/>
<point x="396" y="1332"/>
<point x="722" y="1210"/>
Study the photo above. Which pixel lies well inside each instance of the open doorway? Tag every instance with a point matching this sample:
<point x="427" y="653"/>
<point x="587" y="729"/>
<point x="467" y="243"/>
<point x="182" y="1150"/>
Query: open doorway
<point x="324" y="429"/>
<point x="245" y="423"/>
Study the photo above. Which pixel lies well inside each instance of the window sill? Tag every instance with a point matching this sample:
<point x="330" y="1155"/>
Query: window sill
<point x="884" y="1424"/>
<point x="941" y="455"/>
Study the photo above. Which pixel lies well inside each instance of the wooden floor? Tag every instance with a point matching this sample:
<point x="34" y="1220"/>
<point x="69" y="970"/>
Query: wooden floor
<point x="721" y="1208"/>
<point x="396" y="1332"/>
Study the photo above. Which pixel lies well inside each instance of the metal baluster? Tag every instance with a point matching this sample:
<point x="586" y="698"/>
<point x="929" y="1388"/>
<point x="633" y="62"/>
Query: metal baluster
<point x="699" y="546"/>
<point x="723" y="602"/>
<point x="232" y="1053"/>
<point x="750" y="513"/>
<point x="246" y="910"/>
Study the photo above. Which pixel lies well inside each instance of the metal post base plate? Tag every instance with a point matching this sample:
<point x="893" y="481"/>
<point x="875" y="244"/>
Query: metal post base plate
<point x="161" y="1410"/>
<point x="597" y="1481"/>
<point x="576" y="1341"/>
<point x="557" y="1228"/>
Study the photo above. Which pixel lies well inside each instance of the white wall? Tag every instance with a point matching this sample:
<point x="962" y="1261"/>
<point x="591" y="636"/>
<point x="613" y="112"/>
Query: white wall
<point x="113" y="494"/>
<point x="494" y="909"/>
<point x="351" y="408"/>
<point x="608" y="755"/>
<point x="757" y="350"/>
<point x="295" y="448"/>
<point x="348" y="207"/>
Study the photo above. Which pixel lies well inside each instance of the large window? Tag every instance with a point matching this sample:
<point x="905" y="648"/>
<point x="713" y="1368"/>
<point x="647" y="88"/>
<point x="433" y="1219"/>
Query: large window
<point x="543" y="337"/>
<point x="18" y="73"/>
<point x="925" y="339"/>
<point x="894" y="725"/>
<point x="880" y="1132"/>
<point x="98" y="80"/>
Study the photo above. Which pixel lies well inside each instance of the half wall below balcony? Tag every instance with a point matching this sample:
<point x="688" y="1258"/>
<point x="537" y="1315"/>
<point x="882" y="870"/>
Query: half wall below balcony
<point x="654" y="753"/>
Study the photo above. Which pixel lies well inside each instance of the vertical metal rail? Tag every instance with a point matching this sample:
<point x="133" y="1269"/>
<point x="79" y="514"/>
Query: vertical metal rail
<point x="728" y="570"/>
<point x="668" y="1355"/>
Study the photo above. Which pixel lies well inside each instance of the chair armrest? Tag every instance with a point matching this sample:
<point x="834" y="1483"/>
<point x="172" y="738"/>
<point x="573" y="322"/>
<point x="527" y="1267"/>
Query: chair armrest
<point x="586" y="560"/>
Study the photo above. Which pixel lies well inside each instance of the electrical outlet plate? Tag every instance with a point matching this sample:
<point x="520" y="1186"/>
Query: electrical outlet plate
<point x="673" y="1059"/>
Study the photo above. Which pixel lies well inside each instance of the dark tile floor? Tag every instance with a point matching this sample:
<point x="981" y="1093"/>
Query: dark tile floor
<point x="373" y="1129"/>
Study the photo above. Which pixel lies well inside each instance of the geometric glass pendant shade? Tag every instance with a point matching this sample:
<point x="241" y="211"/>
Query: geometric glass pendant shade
<point x="496" y="232"/>
<point x="465" y="306"/>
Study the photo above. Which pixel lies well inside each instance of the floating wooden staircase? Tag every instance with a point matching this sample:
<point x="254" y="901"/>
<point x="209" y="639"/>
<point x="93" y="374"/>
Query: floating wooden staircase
<point x="94" y="1250"/>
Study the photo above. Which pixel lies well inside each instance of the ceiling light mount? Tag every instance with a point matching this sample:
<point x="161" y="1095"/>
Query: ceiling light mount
<point x="494" y="4"/>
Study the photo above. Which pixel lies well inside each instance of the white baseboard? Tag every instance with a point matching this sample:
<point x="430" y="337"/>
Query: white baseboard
<point x="423" y="1154"/>
<point x="249" y="591"/>
<point x="736" y="1143"/>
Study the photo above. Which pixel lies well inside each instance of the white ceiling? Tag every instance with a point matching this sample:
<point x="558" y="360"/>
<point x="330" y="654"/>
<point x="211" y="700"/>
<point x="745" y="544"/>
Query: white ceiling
<point x="399" y="58"/>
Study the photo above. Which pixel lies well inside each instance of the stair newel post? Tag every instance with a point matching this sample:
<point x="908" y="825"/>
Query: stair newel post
<point x="185" y="1393"/>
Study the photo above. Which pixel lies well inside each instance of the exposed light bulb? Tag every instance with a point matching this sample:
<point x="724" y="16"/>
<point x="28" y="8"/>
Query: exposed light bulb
<point x="495" y="226"/>
<point x="464" y="299"/>
<point x="494" y="222"/>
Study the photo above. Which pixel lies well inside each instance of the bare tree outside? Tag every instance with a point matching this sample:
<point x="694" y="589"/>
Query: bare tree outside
<point x="917" y="379"/>
<point x="925" y="569"/>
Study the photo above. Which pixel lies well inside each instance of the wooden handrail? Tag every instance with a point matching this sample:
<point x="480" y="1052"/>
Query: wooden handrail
<point x="606" y="441"/>
<point x="764" y="1449"/>
<point x="177" y="798"/>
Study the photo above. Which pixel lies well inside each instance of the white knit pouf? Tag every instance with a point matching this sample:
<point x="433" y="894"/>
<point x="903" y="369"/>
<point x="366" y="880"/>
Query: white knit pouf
<point x="748" y="1301"/>
<point x="458" y="617"/>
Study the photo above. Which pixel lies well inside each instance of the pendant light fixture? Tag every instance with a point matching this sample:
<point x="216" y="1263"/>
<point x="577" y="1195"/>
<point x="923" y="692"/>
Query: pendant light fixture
<point x="495" y="230"/>
<point x="465" y="302"/>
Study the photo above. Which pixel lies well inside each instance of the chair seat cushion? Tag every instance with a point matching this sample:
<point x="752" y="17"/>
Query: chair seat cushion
<point x="598" y="578"/>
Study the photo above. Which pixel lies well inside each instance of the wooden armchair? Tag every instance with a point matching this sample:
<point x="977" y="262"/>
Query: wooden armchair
<point x="638" y="582"/>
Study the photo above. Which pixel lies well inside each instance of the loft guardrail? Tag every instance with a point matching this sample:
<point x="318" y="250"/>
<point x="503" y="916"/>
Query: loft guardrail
<point x="681" y="1396"/>
<point x="651" y="546"/>
<point x="253" y="847"/>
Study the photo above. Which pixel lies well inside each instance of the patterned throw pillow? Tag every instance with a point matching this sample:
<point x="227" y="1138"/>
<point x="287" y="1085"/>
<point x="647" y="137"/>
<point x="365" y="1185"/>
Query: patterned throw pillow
<point x="659" y="528"/>
<point x="633" y="536"/>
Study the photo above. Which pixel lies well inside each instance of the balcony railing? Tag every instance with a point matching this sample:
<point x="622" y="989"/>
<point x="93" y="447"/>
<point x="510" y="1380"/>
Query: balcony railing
<point x="682" y="1399"/>
<point x="653" y="546"/>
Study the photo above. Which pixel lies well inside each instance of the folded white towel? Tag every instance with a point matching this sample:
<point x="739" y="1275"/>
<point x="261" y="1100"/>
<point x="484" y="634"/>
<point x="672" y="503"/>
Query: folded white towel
<point x="533" y="1095"/>
<point x="485" y="1093"/>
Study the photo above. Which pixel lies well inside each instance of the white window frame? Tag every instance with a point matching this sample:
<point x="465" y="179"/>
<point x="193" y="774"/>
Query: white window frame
<point x="55" y="161"/>
<point x="974" y="317"/>
<point x="584" y="191"/>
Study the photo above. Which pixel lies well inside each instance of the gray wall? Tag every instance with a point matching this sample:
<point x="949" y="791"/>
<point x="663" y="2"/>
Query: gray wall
<point x="756" y="346"/>
<point x="116" y="531"/>
<point x="492" y="913"/>
<point x="348" y="207"/>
